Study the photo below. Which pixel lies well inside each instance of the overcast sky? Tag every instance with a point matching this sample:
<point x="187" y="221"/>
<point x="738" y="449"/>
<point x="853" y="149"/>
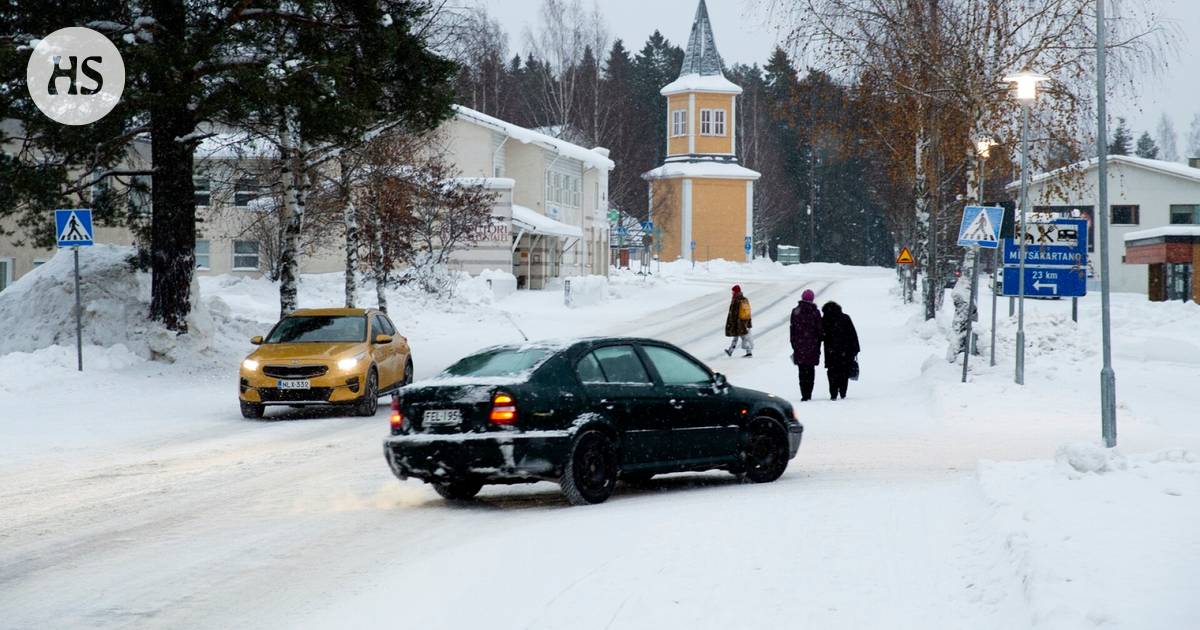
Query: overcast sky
<point x="743" y="36"/>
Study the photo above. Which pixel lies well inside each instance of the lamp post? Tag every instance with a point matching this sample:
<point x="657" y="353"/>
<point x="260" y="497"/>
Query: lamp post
<point x="1108" y="378"/>
<point x="983" y="149"/>
<point x="1026" y="83"/>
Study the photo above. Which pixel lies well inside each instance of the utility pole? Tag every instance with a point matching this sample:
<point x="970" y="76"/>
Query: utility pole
<point x="1108" y="378"/>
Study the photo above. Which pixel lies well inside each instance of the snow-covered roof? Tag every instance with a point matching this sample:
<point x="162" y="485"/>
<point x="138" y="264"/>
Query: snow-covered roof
<point x="1162" y="166"/>
<point x="1166" y="230"/>
<point x="701" y="83"/>
<point x="536" y="223"/>
<point x="711" y="169"/>
<point x="589" y="157"/>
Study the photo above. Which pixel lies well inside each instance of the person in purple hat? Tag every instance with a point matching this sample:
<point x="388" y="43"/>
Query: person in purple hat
<point x="738" y="324"/>
<point x="806" y="341"/>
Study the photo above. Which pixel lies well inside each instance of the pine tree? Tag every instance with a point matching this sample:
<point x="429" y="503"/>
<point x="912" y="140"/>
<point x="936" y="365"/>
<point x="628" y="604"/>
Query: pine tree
<point x="1121" y="141"/>
<point x="1146" y="147"/>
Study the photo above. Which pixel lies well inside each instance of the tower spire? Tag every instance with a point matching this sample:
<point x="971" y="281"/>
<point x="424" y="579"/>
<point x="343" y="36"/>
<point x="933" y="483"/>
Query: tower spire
<point x="701" y="57"/>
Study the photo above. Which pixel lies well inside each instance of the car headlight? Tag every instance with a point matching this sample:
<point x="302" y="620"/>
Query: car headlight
<point x="250" y="364"/>
<point x="348" y="364"/>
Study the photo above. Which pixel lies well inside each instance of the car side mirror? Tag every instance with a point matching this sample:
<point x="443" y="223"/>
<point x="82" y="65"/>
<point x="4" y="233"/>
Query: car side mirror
<point x="256" y="340"/>
<point x="720" y="383"/>
<point x="383" y="339"/>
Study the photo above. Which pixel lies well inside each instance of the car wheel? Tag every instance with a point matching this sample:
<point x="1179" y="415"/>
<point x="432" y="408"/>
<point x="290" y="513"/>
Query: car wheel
<point x="251" y="411"/>
<point x="591" y="471"/>
<point x="369" y="403"/>
<point x="408" y="373"/>
<point x="458" y="489"/>
<point x="765" y="454"/>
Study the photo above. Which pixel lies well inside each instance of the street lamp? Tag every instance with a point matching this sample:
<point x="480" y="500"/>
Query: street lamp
<point x="1108" y="378"/>
<point x="1026" y="83"/>
<point x="983" y="149"/>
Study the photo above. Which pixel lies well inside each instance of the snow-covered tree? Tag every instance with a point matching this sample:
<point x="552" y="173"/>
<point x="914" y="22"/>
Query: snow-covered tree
<point x="1167" y="139"/>
<point x="1146" y="148"/>
<point x="1193" y="138"/>
<point x="1122" y="140"/>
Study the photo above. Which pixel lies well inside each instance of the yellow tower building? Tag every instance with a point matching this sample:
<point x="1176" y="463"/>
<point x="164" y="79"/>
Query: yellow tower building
<point x="701" y="199"/>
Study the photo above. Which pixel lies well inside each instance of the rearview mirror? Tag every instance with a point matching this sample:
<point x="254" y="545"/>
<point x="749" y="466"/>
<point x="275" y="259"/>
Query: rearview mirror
<point x="720" y="383"/>
<point x="382" y="339"/>
<point x="256" y="340"/>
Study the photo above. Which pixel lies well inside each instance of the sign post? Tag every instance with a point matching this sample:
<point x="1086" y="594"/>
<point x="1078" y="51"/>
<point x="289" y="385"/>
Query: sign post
<point x="906" y="260"/>
<point x="74" y="230"/>
<point x="980" y="228"/>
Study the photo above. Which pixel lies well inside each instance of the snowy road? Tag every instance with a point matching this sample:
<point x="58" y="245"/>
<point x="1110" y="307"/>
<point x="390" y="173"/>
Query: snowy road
<point x="298" y="522"/>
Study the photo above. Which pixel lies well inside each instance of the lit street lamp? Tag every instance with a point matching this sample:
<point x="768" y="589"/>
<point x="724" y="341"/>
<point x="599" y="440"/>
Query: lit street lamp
<point x="983" y="149"/>
<point x="1026" y="83"/>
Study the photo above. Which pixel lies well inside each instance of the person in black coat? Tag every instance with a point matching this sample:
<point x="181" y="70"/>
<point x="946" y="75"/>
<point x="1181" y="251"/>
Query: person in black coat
<point x="841" y="348"/>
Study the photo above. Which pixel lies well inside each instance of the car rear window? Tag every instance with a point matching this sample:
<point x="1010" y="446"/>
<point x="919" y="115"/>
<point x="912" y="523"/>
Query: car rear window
<point x="500" y="362"/>
<point x="320" y="329"/>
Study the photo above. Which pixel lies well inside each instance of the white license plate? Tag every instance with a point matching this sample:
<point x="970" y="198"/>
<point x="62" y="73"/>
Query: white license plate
<point x="442" y="418"/>
<point x="300" y="384"/>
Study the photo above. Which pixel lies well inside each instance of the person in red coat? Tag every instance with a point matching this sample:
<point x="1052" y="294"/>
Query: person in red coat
<point x="806" y="341"/>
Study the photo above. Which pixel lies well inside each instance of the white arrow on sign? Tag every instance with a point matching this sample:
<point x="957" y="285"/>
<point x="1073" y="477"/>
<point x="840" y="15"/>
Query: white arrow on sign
<point x="1053" y="286"/>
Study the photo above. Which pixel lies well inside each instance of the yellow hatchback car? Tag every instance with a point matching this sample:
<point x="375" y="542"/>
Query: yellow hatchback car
<point x="329" y="356"/>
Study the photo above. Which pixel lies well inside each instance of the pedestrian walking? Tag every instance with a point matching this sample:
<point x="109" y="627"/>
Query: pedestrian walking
<point x="841" y="348"/>
<point x="806" y="341"/>
<point x="737" y="323"/>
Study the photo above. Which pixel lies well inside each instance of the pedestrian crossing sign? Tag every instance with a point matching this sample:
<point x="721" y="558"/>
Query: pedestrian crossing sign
<point x="981" y="226"/>
<point x="905" y="257"/>
<point x="73" y="227"/>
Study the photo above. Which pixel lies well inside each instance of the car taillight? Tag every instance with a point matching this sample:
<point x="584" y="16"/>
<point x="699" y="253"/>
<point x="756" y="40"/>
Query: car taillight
<point x="397" y="419"/>
<point x="504" y="409"/>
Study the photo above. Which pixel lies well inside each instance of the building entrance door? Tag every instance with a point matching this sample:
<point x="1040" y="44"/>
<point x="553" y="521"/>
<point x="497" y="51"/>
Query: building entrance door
<point x="1179" y="281"/>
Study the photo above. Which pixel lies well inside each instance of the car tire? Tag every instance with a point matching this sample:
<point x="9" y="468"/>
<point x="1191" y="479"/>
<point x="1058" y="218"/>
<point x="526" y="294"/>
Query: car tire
<point x="408" y="373"/>
<point x="458" y="489"/>
<point x="369" y="403"/>
<point x="591" y="471"/>
<point x="252" y="411"/>
<point x="764" y="451"/>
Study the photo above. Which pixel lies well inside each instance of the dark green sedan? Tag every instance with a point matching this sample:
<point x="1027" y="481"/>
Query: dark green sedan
<point x="584" y="414"/>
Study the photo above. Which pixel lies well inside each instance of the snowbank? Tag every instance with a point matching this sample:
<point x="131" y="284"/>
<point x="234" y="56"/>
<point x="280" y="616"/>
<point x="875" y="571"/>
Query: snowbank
<point x="585" y="290"/>
<point x="1100" y="540"/>
<point x="36" y="311"/>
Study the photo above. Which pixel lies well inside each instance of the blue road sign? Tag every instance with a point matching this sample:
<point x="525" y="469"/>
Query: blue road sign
<point x="1062" y="243"/>
<point x="621" y="231"/>
<point x="749" y="244"/>
<point x="1044" y="282"/>
<point x="73" y="227"/>
<point x="647" y="226"/>
<point x="981" y="226"/>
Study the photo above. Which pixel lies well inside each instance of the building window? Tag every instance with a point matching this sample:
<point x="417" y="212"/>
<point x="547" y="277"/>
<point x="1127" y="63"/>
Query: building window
<point x="38" y="262"/>
<point x="1185" y="214"/>
<point x="564" y="189"/>
<point x="1124" y="215"/>
<point x="248" y="189"/>
<point x="203" y="192"/>
<point x="202" y="254"/>
<point x="679" y="122"/>
<point x="6" y="272"/>
<point x="245" y="255"/>
<point x="712" y="122"/>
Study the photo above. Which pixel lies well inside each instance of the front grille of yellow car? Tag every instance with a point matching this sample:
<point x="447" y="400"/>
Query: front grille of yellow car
<point x="295" y="371"/>
<point x="316" y="394"/>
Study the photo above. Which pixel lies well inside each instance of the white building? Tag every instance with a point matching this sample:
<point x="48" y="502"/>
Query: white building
<point x="550" y="211"/>
<point x="1142" y="194"/>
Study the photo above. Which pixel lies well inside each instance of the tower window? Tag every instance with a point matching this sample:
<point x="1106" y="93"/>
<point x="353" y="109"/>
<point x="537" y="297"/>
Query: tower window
<point x="679" y="122"/>
<point x="712" y="122"/>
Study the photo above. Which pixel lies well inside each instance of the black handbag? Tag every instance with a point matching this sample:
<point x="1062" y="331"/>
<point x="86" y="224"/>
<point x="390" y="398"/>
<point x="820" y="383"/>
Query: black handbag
<point x="854" y="369"/>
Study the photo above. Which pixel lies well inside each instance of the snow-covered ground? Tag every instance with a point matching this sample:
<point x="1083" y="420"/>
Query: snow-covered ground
<point x="134" y="495"/>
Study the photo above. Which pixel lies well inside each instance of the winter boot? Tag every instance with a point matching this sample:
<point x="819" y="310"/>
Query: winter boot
<point x="728" y="352"/>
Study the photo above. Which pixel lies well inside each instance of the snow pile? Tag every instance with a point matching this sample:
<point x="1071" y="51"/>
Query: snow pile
<point x="36" y="311"/>
<point x="1081" y="458"/>
<point x="584" y="290"/>
<point x="1116" y="550"/>
<point x="21" y="370"/>
<point x="503" y="283"/>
